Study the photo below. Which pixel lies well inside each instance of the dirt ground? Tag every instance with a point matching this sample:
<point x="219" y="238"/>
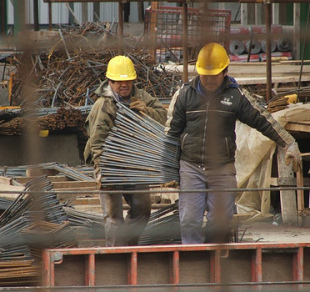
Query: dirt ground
<point x="270" y="232"/>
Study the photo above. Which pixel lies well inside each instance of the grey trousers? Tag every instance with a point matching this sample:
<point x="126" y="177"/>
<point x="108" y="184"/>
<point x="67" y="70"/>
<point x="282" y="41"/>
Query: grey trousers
<point x="120" y="231"/>
<point x="192" y="205"/>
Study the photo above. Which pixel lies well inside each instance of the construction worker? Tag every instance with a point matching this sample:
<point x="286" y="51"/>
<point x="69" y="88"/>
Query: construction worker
<point x="119" y="87"/>
<point x="203" y="114"/>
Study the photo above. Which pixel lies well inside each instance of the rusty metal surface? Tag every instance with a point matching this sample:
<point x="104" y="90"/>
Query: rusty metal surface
<point x="207" y="264"/>
<point x="272" y="287"/>
<point x="186" y="1"/>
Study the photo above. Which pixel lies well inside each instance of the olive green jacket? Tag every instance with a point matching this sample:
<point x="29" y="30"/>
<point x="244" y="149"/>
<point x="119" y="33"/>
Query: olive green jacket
<point x="102" y="115"/>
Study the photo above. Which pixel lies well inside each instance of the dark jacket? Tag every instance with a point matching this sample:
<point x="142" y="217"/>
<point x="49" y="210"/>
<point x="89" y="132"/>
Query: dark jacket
<point x="205" y="123"/>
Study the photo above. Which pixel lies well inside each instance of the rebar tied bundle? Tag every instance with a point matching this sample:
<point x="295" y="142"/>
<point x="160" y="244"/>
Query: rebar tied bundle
<point x="138" y="152"/>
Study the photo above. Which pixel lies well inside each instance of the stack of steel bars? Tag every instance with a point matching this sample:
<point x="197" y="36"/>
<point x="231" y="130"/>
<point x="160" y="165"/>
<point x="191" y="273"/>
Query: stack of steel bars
<point x="42" y="200"/>
<point x="35" y="219"/>
<point x="163" y="227"/>
<point x="138" y="152"/>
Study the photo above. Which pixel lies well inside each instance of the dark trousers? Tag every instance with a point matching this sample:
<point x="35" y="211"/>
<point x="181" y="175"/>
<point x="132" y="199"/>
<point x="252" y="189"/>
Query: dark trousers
<point x="120" y="231"/>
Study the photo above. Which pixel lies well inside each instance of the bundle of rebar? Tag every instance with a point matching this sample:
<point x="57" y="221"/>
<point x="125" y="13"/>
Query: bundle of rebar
<point x="43" y="200"/>
<point x="62" y="119"/>
<point x="60" y="81"/>
<point x="35" y="219"/>
<point x="163" y="227"/>
<point x="138" y="152"/>
<point x="18" y="267"/>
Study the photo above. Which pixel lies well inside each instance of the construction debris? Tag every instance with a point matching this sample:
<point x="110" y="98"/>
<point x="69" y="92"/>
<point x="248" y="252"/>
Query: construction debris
<point x="277" y="104"/>
<point x="54" y="83"/>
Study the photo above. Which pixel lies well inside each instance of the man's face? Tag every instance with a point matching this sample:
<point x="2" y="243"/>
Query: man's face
<point x="122" y="88"/>
<point x="212" y="82"/>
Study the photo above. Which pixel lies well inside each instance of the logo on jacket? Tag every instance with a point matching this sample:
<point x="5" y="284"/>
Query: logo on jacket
<point x="227" y="100"/>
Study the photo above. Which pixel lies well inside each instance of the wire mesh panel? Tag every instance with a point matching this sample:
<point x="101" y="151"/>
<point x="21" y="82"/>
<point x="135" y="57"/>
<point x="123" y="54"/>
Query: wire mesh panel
<point x="203" y="27"/>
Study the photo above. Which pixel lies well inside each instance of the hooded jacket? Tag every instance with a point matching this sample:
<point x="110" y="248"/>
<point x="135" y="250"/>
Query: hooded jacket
<point x="101" y="118"/>
<point x="205" y="123"/>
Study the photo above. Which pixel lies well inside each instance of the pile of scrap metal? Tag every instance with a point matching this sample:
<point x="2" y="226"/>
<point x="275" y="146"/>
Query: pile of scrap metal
<point x="66" y="72"/>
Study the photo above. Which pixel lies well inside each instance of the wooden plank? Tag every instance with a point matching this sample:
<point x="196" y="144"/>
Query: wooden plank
<point x="9" y="188"/>
<point x="74" y="184"/>
<point x="300" y="194"/>
<point x="285" y="181"/>
<point x="298" y="127"/>
<point x="23" y="179"/>
<point x="287" y="197"/>
<point x="5" y="180"/>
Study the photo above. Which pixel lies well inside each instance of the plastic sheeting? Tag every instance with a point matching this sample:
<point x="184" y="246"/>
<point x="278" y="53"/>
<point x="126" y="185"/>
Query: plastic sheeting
<point x="254" y="161"/>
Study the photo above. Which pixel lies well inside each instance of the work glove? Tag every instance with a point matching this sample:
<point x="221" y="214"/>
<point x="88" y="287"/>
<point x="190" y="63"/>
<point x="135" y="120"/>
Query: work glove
<point x="170" y="184"/>
<point x="293" y="153"/>
<point x="97" y="175"/>
<point x="138" y="105"/>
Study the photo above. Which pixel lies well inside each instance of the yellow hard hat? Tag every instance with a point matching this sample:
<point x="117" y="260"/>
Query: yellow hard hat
<point x="212" y="59"/>
<point x="121" y="68"/>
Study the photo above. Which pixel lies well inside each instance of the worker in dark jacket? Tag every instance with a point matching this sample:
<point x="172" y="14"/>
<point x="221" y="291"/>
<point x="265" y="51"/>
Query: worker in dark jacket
<point x="203" y="114"/>
<point x="119" y="87"/>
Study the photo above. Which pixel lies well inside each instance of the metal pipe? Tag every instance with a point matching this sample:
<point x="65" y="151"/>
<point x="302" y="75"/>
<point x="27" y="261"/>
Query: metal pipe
<point x="268" y="12"/>
<point x="185" y="41"/>
<point x="120" y="27"/>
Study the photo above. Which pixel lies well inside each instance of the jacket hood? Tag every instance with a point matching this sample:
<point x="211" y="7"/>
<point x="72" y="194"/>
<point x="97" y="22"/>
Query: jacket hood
<point x="104" y="89"/>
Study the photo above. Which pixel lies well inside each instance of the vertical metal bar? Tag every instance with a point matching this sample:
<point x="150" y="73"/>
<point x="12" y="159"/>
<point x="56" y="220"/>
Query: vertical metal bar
<point x="19" y="17"/>
<point x="152" y="30"/>
<point x="48" y="269"/>
<point x="50" y="25"/>
<point x="298" y="265"/>
<point x="133" y="269"/>
<point x="90" y="270"/>
<point x="185" y="42"/>
<point x="3" y="18"/>
<point x="120" y="28"/>
<point x="257" y="266"/>
<point x="268" y="10"/>
<point x="175" y="268"/>
<point x="215" y="266"/>
<point x="35" y="15"/>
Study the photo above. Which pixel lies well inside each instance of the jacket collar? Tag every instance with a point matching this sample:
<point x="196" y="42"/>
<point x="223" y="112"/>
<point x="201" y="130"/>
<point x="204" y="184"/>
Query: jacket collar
<point x="228" y="82"/>
<point x="105" y="89"/>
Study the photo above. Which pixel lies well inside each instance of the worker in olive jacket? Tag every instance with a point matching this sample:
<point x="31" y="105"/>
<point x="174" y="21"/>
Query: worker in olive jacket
<point x="203" y="115"/>
<point x="119" y="87"/>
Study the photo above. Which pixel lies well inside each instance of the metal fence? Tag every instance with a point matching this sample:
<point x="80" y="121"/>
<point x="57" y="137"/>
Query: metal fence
<point x="203" y="27"/>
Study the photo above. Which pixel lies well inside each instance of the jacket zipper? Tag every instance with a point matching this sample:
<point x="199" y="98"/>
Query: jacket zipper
<point x="204" y="138"/>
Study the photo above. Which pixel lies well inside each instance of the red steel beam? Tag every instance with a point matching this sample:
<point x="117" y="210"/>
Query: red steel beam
<point x="175" y="268"/>
<point x="133" y="269"/>
<point x="186" y="1"/>
<point x="257" y="267"/>
<point x="90" y="270"/>
<point x="218" y="252"/>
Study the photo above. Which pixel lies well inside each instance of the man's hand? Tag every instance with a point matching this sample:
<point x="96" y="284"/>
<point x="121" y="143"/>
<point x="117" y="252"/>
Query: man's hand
<point x="293" y="153"/>
<point x="170" y="184"/>
<point x="97" y="175"/>
<point x="138" y="105"/>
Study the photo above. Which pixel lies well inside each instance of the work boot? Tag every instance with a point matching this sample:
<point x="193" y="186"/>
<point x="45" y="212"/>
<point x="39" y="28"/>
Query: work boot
<point x="215" y="234"/>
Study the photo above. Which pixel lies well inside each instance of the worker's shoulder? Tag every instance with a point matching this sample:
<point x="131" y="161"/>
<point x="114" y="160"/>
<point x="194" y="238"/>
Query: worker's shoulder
<point x="141" y="93"/>
<point x="101" y="100"/>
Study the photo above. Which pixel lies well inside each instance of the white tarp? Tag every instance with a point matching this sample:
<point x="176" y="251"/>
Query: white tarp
<point x="254" y="160"/>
